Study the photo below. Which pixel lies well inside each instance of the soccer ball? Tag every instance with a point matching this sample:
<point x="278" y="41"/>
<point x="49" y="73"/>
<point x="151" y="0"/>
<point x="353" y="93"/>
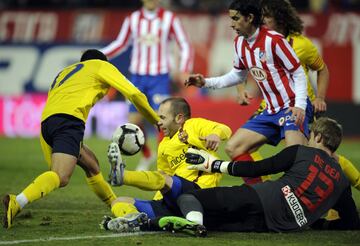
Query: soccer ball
<point x="130" y="138"/>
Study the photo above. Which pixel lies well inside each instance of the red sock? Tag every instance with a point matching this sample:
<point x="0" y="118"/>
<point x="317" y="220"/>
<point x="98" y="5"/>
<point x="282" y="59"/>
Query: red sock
<point x="248" y="180"/>
<point x="160" y="136"/>
<point x="146" y="151"/>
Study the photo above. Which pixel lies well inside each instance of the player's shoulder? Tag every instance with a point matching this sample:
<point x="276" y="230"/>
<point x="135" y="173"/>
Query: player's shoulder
<point x="300" y="40"/>
<point x="271" y="33"/>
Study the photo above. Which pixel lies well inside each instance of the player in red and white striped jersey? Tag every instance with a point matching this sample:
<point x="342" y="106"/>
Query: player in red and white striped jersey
<point x="273" y="64"/>
<point x="150" y="31"/>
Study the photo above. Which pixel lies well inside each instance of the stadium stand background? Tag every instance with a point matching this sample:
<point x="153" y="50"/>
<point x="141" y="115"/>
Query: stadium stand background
<point x="38" y="37"/>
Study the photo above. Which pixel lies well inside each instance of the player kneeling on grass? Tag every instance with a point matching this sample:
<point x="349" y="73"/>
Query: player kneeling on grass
<point x="72" y="94"/>
<point x="172" y="178"/>
<point x="313" y="182"/>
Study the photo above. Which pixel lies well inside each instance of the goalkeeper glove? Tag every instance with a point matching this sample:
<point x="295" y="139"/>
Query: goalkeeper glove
<point x="203" y="161"/>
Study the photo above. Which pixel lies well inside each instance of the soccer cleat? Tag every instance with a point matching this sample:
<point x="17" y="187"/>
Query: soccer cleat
<point x="128" y="223"/>
<point x="145" y="163"/>
<point x="116" y="175"/>
<point x="178" y="224"/>
<point x="11" y="209"/>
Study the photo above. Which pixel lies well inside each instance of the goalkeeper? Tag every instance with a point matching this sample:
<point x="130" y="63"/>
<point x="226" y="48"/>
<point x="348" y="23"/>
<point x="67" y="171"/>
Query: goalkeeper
<point x="172" y="178"/>
<point x="313" y="182"/>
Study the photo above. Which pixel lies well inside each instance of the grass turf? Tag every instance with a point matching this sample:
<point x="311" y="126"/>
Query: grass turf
<point x="71" y="215"/>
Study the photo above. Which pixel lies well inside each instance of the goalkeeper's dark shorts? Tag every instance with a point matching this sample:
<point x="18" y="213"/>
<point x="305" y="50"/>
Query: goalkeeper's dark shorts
<point x="232" y="209"/>
<point x="168" y="205"/>
<point x="63" y="133"/>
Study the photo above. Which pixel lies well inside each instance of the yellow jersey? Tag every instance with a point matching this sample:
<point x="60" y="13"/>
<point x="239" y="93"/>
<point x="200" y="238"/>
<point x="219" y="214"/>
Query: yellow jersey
<point x="309" y="58"/>
<point x="171" y="151"/>
<point x="77" y="88"/>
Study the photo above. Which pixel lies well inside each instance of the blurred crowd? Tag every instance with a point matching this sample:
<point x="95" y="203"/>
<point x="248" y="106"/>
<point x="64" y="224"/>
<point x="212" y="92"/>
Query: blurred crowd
<point x="181" y="5"/>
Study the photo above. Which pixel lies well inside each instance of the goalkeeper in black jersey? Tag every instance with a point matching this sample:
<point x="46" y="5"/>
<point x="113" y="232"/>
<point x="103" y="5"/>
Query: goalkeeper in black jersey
<point x="312" y="183"/>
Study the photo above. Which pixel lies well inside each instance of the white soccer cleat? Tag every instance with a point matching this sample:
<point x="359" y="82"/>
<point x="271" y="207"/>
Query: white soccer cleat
<point x="128" y="223"/>
<point x="116" y="175"/>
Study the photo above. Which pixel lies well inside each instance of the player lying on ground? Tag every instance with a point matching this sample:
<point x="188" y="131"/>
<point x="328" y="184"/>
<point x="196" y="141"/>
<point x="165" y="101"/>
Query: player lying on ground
<point x="172" y="178"/>
<point x="313" y="182"/>
<point x="72" y="94"/>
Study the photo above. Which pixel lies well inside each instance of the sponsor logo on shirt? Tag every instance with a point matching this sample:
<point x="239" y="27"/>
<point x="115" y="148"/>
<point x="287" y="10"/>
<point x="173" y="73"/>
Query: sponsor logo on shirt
<point x="149" y="39"/>
<point x="294" y="205"/>
<point x="258" y="73"/>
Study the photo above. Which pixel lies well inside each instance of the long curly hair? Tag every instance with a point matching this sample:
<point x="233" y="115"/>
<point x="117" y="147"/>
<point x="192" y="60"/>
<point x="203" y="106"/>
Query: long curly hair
<point x="284" y="14"/>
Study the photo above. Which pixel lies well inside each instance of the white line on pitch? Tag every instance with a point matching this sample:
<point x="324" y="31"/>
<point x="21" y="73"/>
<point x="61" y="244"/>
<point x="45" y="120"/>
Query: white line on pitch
<point x="74" y="238"/>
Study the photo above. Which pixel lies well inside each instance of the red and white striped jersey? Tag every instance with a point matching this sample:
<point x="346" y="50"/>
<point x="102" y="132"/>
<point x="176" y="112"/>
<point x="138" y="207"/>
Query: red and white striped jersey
<point x="274" y="66"/>
<point x="150" y="34"/>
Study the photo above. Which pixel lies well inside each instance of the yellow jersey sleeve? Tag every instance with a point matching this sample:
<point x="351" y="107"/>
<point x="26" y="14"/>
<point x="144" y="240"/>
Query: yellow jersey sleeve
<point x="112" y="76"/>
<point x="171" y="151"/>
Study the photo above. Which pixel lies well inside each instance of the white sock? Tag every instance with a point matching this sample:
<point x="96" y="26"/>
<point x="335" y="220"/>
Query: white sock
<point x="195" y="216"/>
<point x="22" y="200"/>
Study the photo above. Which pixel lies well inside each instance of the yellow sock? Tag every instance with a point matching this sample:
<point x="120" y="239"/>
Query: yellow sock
<point x="145" y="180"/>
<point x="42" y="185"/>
<point x="121" y="209"/>
<point x="257" y="157"/>
<point x="350" y="171"/>
<point x="101" y="188"/>
<point x="332" y="215"/>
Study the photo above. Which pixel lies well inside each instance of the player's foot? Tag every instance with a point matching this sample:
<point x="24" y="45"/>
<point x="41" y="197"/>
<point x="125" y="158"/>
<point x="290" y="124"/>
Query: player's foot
<point x="145" y="162"/>
<point x="178" y="224"/>
<point x="128" y="223"/>
<point x="116" y="175"/>
<point x="11" y="209"/>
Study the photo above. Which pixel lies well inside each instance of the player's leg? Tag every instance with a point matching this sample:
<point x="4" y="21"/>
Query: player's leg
<point x="132" y="215"/>
<point x="235" y="208"/>
<point x="239" y="146"/>
<point x="349" y="169"/>
<point x="295" y="134"/>
<point x="94" y="178"/>
<point x="145" y="180"/>
<point x="174" y="187"/>
<point x="62" y="150"/>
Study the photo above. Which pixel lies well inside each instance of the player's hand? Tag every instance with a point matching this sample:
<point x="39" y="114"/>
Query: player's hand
<point x="200" y="160"/>
<point x="212" y="141"/>
<point x="298" y="115"/>
<point x="113" y="153"/>
<point x="319" y="105"/>
<point x="243" y="97"/>
<point x="195" y="80"/>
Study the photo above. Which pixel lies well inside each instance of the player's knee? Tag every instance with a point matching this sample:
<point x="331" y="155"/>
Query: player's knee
<point x="64" y="179"/>
<point x="230" y="149"/>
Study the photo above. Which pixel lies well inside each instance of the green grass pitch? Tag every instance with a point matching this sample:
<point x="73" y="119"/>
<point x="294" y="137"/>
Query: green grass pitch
<point x="71" y="215"/>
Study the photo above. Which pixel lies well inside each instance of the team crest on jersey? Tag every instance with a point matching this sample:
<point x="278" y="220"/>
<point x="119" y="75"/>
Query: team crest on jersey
<point x="262" y="56"/>
<point x="258" y="74"/>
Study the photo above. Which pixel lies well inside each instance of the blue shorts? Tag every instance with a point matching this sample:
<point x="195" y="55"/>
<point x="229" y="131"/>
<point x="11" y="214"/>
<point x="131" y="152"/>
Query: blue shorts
<point x="274" y="126"/>
<point x="168" y="205"/>
<point x="156" y="88"/>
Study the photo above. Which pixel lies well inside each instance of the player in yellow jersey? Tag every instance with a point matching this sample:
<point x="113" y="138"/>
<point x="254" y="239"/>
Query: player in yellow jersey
<point x="173" y="178"/>
<point x="72" y="94"/>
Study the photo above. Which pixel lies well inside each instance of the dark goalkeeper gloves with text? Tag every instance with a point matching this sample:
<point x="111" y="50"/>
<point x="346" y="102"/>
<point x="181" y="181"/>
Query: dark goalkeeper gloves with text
<point x="203" y="161"/>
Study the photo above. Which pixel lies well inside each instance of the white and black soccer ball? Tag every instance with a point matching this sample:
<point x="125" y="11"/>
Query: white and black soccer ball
<point x="130" y="138"/>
